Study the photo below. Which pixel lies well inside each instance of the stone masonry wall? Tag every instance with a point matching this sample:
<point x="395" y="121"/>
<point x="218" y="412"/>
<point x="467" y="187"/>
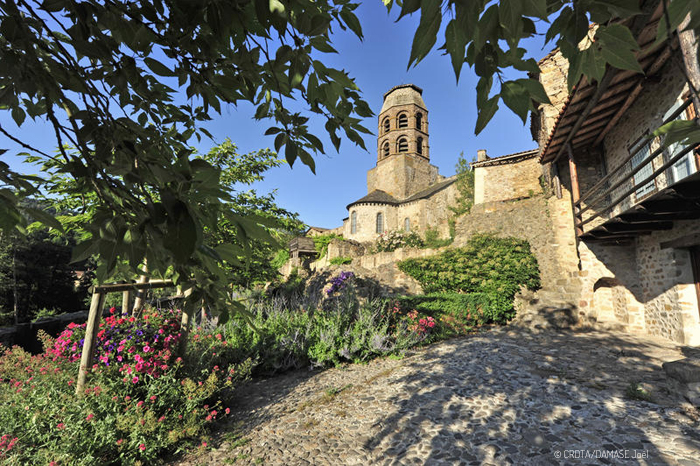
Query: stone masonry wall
<point x="528" y="219"/>
<point x="642" y="118"/>
<point x="553" y="69"/>
<point x="402" y="175"/>
<point x="667" y="285"/>
<point x="508" y="181"/>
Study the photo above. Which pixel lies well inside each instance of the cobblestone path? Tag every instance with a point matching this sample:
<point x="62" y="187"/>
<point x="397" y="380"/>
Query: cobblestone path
<point x="499" y="397"/>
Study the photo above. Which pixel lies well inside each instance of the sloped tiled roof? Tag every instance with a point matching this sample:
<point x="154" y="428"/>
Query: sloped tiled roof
<point x="506" y="159"/>
<point x="430" y="190"/>
<point x="381" y="197"/>
<point x="376" y="197"/>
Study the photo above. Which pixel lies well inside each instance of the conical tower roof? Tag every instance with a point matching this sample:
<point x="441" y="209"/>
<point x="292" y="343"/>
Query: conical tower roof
<point x="403" y="94"/>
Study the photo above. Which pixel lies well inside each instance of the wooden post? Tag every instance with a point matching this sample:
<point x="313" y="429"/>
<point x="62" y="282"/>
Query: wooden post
<point x="575" y="191"/>
<point x="138" y="301"/>
<point x="86" y="359"/>
<point x="126" y="301"/>
<point x="557" y="180"/>
<point x="689" y="50"/>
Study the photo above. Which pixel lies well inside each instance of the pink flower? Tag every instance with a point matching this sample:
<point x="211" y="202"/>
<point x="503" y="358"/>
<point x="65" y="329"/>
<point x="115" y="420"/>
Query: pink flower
<point x="142" y="447"/>
<point x="227" y="410"/>
<point x="61" y="426"/>
<point x="135" y="379"/>
<point x="146" y="349"/>
<point x="139" y="404"/>
<point x="89" y="417"/>
<point x="153" y="398"/>
<point x="120" y="441"/>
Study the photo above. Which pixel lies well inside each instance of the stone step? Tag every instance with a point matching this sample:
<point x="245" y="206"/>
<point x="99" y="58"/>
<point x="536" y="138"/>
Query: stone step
<point x="684" y="378"/>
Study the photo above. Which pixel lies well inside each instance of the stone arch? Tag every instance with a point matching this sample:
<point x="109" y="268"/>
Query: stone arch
<point x="407" y="224"/>
<point x="353" y="222"/>
<point x="402" y="144"/>
<point x="403" y="120"/>
<point x="419" y="146"/>
<point x="386" y="149"/>
<point x="419" y="121"/>
<point x="386" y="124"/>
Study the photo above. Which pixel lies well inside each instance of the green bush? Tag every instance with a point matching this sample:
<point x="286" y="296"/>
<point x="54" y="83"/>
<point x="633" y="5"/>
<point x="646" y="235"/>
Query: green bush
<point x="127" y="414"/>
<point x="433" y="240"/>
<point x="321" y="243"/>
<point x="487" y="264"/>
<point x="341" y="260"/>
<point x="471" y="308"/>
<point x="396" y="239"/>
<point x="280" y="258"/>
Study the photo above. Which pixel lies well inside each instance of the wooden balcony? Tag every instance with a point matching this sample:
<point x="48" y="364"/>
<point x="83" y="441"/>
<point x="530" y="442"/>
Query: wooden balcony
<point x="626" y="203"/>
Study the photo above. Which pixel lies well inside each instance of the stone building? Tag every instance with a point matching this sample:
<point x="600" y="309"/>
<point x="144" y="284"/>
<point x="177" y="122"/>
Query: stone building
<point x="505" y="178"/>
<point x="631" y="206"/>
<point x="404" y="191"/>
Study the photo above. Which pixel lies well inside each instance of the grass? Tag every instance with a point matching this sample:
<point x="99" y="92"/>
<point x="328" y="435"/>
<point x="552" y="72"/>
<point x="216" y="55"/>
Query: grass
<point x="635" y="391"/>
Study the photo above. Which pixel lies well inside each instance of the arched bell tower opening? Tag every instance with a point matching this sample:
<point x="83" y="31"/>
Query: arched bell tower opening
<point x="404" y="118"/>
<point x="403" y="152"/>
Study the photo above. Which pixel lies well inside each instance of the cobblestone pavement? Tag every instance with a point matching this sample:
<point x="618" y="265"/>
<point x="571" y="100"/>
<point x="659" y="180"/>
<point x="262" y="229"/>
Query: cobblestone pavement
<point x="499" y="397"/>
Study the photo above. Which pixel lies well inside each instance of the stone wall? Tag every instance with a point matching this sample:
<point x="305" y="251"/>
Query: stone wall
<point x="402" y="175"/>
<point x="642" y="118"/>
<point x="432" y="212"/>
<point x="508" y="181"/>
<point x="527" y="219"/>
<point x="553" y="69"/>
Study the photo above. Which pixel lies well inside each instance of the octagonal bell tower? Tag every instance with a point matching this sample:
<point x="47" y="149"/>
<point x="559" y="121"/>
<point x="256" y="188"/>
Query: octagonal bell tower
<point x="403" y="154"/>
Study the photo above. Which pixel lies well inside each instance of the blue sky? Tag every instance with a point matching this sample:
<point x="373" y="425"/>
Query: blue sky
<point x="377" y="64"/>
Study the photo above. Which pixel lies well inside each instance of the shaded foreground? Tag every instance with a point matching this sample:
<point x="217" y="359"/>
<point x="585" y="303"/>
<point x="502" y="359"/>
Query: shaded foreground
<point x="501" y="397"/>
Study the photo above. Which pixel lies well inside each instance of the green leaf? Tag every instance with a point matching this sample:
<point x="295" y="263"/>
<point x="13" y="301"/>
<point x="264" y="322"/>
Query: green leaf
<point x="157" y="67"/>
<point x="509" y="16"/>
<point x="18" y="115"/>
<point x="455" y="43"/>
<point x="486" y="112"/>
<point x="516" y="98"/>
<point x="44" y="217"/>
<point x="536" y="90"/>
<point x="83" y="251"/>
<point x="534" y="8"/>
<point x="181" y="234"/>
<point x="321" y="44"/>
<point x="352" y="22"/>
<point x="426" y="34"/>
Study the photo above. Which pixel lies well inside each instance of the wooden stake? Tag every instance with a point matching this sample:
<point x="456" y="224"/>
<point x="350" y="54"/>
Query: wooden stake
<point x="126" y="301"/>
<point x="138" y="301"/>
<point x="575" y="192"/>
<point x="86" y="359"/>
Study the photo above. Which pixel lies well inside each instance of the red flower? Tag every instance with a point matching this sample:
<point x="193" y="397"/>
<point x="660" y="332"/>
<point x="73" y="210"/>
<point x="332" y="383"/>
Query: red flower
<point x="89" y="417"/>
<point x="142" y="447"/>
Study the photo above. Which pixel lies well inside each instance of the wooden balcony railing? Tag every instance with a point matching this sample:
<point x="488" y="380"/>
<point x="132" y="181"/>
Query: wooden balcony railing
<point x="601" y="200"/>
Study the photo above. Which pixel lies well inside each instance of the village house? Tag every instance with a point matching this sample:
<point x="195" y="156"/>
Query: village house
<point x="633" y="205"/>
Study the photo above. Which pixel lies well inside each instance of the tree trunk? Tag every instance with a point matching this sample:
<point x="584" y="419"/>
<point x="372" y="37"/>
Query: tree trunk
<point x="140" y="294"/>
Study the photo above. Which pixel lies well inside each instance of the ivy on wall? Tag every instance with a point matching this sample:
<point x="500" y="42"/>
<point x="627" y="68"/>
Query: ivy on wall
<point x="486" y="264"/>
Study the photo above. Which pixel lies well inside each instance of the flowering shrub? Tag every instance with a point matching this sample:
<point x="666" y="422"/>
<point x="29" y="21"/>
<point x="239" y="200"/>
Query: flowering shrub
<point x="421" y="325"/>
<point x="132" y="346"/>
<point x="396" y="239"/>
<point x="121" y="417"/>
<point x="339" y="283"/>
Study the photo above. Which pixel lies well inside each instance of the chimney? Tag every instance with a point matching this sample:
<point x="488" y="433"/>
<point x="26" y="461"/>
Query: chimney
<point x="481" y="155"/>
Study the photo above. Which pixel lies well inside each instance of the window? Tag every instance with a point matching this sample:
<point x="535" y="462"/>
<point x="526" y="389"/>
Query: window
<point x="353" y="222"/>
<point x="385" y="149"/>
<point x="407" y="224"/>
<point x="685" y="166"/>
<point x="403" y="121"/>
<point x="380" y="223"/>
<point x="419" y="146"/>
<point x="419" y="121"/>
<point x="641" y="150"/>
<point x="403" y="145"/>
<point x="386" y="125"/>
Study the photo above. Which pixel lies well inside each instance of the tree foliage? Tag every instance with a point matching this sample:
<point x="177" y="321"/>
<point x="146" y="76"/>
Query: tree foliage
<point x="487" y="36"/>
<point x="465" y="187"/>
<point x="109" y="77"/>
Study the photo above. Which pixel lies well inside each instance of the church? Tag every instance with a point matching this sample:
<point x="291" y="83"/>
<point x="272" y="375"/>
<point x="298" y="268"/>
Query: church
<point x="404" y="190"/>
